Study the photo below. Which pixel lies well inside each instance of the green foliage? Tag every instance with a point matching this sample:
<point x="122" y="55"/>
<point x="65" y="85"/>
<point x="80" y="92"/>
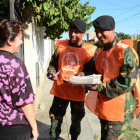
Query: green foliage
<point x="4" y="9"/>
<point x="123" y="36"/>
<point x="55" y="15"/>
<point x="138" y="37"/>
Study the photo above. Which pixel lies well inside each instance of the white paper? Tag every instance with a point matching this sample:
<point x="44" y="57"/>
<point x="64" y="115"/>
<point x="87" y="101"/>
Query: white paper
<point x="86" y="80"/>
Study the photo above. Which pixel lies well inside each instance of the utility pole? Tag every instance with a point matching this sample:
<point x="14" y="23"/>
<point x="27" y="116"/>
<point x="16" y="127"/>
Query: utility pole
<point x="12" y="14"/>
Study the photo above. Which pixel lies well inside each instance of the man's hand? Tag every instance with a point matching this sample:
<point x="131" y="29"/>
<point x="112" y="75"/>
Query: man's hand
<point x="66" y="78"/>
<point x="80" y="74"/>
<point x="53" y="77"/>
<point x="92" y="88"/>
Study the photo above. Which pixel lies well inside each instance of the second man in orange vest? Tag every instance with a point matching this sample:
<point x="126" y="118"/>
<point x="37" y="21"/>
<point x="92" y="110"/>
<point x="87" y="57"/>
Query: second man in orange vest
<point x="116" y="102"/>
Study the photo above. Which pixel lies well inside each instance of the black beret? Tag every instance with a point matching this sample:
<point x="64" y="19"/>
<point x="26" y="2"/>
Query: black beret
<point x="105" y="23"/>
<point x="79" y="25"/>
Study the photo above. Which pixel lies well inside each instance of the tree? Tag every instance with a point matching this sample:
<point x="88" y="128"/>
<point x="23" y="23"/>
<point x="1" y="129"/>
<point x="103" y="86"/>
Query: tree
<point x="4" y="9"/>
<point x="138" y="37"/>
<point x="123" y="36"/>
<point x="54" y="15"/>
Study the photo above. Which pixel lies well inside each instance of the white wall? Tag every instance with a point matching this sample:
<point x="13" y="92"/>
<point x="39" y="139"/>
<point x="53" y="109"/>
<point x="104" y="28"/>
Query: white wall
<point x="37" y="52"/>
<point x="92" y="36"/>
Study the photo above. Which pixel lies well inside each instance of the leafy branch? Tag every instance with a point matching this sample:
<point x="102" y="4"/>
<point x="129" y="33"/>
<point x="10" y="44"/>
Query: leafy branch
<point x="54" y="15"/>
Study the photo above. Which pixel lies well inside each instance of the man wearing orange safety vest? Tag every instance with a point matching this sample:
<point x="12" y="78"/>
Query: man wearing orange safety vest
<point x="72" y="57"/>
<point x="116" y="100"/>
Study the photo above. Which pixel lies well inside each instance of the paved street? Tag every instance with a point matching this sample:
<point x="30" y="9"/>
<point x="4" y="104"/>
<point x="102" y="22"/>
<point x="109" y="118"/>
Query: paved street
<point x="90" y="123"/>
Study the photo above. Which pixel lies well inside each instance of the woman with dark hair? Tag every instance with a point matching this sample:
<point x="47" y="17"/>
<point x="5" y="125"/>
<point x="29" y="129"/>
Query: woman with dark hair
<point x="17" y="118"/>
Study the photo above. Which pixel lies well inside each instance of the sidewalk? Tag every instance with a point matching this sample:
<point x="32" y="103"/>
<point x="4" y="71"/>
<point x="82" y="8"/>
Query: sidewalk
<point x="90" y="126"/>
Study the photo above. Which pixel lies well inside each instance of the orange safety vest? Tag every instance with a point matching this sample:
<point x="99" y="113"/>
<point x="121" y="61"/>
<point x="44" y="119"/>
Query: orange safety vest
<point x="71" y="62"/>
<point x="108" y="63"/>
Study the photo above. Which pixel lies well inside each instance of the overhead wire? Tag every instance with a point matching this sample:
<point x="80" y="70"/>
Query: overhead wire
<point x="123" y="13"/>
<point x="110" y="2"/>
<point x="123" y="8"/>
<point x="128" y="10"/>
<point x="129" y="17"/>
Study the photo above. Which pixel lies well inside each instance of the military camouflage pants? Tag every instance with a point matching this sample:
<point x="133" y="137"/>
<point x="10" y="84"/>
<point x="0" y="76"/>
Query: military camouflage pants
<point x="57" y="112"/>
<point x="115" y="130"/>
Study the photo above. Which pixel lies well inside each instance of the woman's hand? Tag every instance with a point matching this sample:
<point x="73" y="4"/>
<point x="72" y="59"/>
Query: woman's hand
<point x="35" y="134"/>
<point x="28" y="111"/>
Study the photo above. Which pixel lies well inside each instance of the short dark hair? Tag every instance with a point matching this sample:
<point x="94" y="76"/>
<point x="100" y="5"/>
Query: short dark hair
<point x="9" y="30"/>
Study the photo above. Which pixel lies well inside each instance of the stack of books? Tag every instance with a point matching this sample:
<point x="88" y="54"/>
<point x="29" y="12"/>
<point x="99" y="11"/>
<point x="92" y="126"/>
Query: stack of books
<point x="86" y="80"/>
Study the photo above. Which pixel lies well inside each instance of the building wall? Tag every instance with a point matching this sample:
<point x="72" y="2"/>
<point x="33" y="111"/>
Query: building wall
<point x="91" y="36"/>
<point x="37" y="54"/>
